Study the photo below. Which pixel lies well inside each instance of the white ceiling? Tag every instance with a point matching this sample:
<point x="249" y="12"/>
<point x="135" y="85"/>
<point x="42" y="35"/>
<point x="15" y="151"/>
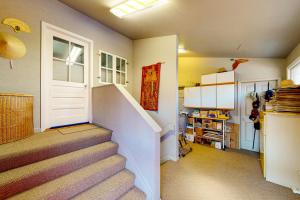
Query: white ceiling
<point x="213" y="28"/>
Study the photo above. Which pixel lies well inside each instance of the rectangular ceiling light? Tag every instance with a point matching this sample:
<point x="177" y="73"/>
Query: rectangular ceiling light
<point x="132" y="6"/>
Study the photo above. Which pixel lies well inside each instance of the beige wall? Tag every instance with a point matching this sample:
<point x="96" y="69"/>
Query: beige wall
<point x="150" y="51"/>
<point x="25" y="78"/>
<point x="190" y="69"/>
<point x="293" y="55"/>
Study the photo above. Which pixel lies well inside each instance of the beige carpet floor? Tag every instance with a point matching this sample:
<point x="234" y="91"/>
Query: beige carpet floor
<point x="210" y="174"/>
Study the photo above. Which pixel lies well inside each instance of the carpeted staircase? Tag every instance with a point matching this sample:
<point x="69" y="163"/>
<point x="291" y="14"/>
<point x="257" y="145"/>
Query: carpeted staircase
<point x="78" y="162"/>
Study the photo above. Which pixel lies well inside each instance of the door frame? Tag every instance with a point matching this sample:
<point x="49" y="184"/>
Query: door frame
<point x="240" y="98"/>
<point x="46" y="27"/>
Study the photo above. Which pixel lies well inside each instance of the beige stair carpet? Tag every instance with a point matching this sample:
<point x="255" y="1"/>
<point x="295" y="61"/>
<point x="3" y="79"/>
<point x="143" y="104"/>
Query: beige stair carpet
<point x="134" y="194"/>
<point x="22" y="178"/>
<point x="70" y="185"/>
<point x="110" y="189"/>
<point x="82" y="163"/>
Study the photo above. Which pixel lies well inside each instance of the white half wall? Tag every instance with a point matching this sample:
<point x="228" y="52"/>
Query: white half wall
<point x="151" y="51"/>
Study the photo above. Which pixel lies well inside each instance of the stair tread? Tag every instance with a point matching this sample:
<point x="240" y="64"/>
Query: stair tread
<point x="134" y="194"/>
<point x="110" y="189"/>
<point x="52" y="142"/>
<point x="18" y="179"/>
<point x="75" y="182"/>
<point x="47" y="138"/>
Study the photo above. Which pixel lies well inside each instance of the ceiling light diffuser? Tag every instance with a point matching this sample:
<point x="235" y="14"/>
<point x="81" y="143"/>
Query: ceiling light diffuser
<point x="181" y="50"/>
<point x="132" y="6"/>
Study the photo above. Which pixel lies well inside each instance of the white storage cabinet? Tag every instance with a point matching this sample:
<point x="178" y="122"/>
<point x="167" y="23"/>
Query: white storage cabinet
<point x="225" y="96"/>
<point x="209" y="96"/>
<point x="192" y="97"/>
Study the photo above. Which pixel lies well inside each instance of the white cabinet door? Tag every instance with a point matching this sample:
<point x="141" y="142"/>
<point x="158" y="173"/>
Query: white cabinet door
<point x="209" y="96"/>
<point x="225" y="96"/>
<point x="209" y="79"/>
<point x="192" y="97"/>
<point x="225" y="77"/>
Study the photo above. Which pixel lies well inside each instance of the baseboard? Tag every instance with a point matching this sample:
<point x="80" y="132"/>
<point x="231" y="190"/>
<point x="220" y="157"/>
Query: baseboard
<point x="37" y="130"/>
<point x="168" y="158"/>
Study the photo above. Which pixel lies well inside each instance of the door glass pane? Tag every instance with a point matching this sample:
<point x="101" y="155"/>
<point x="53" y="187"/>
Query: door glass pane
<point x="123" y="65"/>
<point x="118" y="64"/>
<point x="60" y="48"/>
<point x="109" y="61"/>
<point x="103" y="75"/>
<point x="76" y="54"/>
<point x="118" y="78"/>
<point x="60" y="70"/>
<point x="109" y="76"/>
<point x="123" y="78"/>
<point x="77" y="73"/>
<point x="103" y="59"/>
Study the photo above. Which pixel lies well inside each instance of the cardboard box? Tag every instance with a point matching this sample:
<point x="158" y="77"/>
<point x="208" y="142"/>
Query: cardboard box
<point x="232" y="135"/>
<point x="199" y="131"/>
<point x="189" y="131"/>
<point x="207" y="123"/>
<point x="198" y="138"/>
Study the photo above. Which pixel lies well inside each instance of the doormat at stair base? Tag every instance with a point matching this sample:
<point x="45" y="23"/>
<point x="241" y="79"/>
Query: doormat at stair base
<point x="76" y="128"/>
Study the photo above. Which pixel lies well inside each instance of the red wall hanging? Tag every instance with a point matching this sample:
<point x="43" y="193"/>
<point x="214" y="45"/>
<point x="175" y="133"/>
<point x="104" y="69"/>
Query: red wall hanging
<point x="150" y="87"/>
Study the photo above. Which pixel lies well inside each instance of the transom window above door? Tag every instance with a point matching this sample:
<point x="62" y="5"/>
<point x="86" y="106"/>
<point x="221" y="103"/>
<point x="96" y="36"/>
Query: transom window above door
<point x="68" y="61"/>
<point x="112" y="69"/>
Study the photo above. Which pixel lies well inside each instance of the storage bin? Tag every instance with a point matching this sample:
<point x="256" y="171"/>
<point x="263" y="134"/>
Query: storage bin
<point x="16" y="117"/>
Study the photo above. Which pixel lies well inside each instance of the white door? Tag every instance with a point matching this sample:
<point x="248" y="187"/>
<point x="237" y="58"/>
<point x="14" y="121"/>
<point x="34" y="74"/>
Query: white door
<point x="66" y="76"/>
<point x="247" y="126"/>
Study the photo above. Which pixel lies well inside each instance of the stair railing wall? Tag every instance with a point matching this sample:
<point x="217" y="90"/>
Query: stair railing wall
<point x="137" y="134"/>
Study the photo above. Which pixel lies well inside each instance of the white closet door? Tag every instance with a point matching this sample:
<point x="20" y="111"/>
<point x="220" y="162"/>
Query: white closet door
<point x="225" y="96"/>
<point x="209" y="79"/>
<point x="192" y="97"/>
<point x="209" y="97"/>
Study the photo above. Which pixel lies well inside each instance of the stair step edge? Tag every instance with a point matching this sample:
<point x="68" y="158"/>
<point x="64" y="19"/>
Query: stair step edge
<point x="72" y="184"/>
<point x="26" y="177"/>
<point x="61" y="144"/>
<point x="134" y="194"/>
<point x="110" y="189"/>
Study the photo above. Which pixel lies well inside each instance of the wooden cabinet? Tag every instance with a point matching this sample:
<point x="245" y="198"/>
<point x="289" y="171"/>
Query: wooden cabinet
<point x="16" y="117"/>
<point x="225" y="96"/>
<point x="192" y="97"/>
<point x="209" y="96"/>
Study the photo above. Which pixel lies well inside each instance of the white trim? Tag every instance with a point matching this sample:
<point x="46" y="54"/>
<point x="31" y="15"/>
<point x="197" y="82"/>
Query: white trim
<point x="293" y="64"/>
<point x="45" y="28"/>
<point x="296" y="191"/>
<point x="113" y="69"/>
